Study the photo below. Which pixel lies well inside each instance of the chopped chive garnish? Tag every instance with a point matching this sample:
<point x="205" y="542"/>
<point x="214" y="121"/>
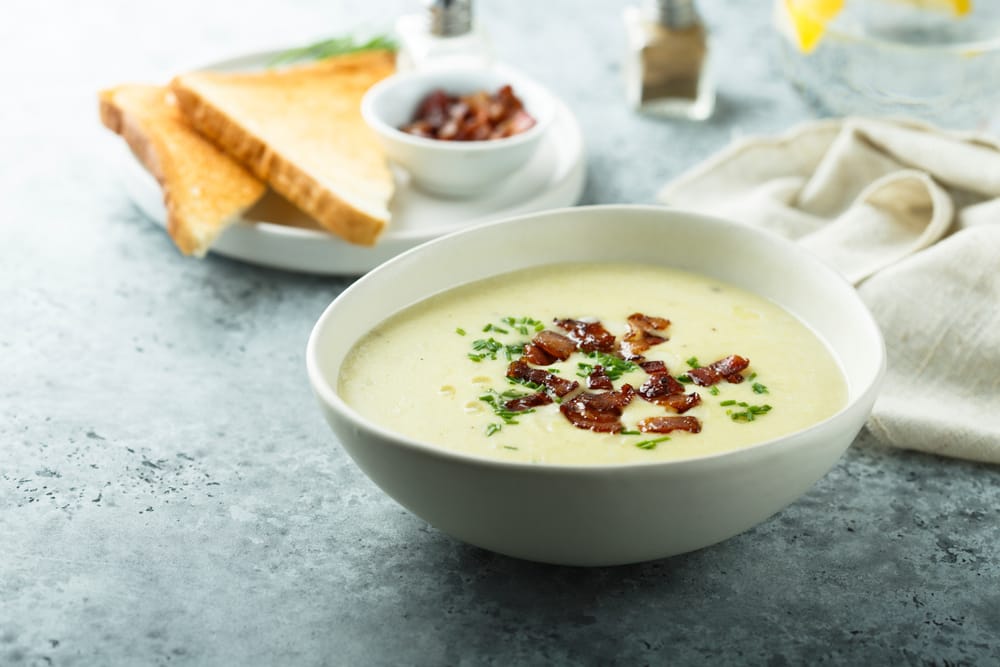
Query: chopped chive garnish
<point x="714" y="391"/>
<point x="686" y="379"/>
<point x="488" y="327"/>
<point x="651" y="444"/>
<point x="753" y="376"/>
<point x="750" y="414"/>
<point x="513" y="393"/>
<point x="487" y="348"/>
<point x="509" y="447"/>
<point x="729" y="402"/>
<point x="527" y="383"/>
<point x="625" y="432"/>
<point x="693" y="362"/>
<point x="460" y="331"/>
<point x="614" y="367"/>
<point x="494" y="400"/>
<point x="475" y="357"/>
<point x="758" y="388"/>
<point x="492" y="428"/>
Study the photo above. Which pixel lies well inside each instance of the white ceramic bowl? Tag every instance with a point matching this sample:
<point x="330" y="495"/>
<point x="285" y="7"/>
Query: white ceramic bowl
<point x="454" y="168"/>
<point x="613" y="514"/>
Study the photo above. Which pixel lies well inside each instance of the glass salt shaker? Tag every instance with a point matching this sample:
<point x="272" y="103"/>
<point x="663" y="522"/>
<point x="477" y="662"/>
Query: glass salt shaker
<point x="445" y="34"/>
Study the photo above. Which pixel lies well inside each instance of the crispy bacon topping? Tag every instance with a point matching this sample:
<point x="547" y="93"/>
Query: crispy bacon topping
<point x="598" y="412"/>
<point x="555" y="344"/>
<point x="668" y="424"/>
<point x="728" y="368"/>
<point x="529" y="401"/>
<point x="598" y="379"/>
<point x="640" y="336"/>
<point x="589" y="336"/>
<point x="559" y="386"/>
<point x="680" y="402"/>
<point x="653" y="367"/>
<point x="660" y="385"/>
<point x="663" y="389"/>
<point x="536" y="355"/>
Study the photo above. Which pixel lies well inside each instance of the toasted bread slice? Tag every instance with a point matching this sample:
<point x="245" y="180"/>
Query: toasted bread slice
<point x="300" y="130"/>
<point x="204" y="190"/>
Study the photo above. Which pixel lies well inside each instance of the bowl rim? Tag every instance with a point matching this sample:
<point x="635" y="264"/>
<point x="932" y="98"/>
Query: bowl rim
<point x="543" y="118"/>
<point x="327" y="393"/>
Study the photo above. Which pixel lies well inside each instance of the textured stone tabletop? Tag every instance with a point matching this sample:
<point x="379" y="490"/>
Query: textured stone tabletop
<point x="169" y="493"/>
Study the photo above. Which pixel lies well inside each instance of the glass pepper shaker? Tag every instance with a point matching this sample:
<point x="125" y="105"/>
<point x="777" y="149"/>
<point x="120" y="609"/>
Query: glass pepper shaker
<point x="665" y="66"/>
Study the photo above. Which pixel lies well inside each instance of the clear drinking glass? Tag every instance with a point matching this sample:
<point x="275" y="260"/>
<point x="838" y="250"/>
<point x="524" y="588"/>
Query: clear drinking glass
<point x="898" y="58"/>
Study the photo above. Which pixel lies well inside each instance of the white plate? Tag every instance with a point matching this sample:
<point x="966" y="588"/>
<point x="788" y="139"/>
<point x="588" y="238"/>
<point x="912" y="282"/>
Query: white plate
<point x="553" y="178"/>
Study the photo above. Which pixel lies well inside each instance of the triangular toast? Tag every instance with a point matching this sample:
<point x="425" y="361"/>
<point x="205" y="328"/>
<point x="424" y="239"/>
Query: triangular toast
<point x="204" y="190"/>
<point x="300" y="130"/>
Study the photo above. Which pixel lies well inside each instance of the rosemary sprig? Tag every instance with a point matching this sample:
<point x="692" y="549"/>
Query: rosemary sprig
<point x="335" y="46"/>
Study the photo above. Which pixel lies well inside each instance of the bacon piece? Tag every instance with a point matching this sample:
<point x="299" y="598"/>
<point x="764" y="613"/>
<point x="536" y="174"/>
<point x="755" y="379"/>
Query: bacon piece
<point x="537" y="356"/>
<point x="598" y="379"/>
<point x="668" y="424"/>
<point x="680" y="402"/>
<point x="589" y="336"/>
<point x="728" y="368"/>
<point x="529" y="401"/>
<point x="659" y="386"/>
<point x="653" y="367"/>
<point x="598" y="412"/>
<point x="640" y="336"/>
<point x="522" y="371"/>
<point x="555" y="344"/>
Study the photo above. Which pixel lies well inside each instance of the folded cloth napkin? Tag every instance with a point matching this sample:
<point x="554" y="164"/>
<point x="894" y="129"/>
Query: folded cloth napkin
<point x="910" y="214"/>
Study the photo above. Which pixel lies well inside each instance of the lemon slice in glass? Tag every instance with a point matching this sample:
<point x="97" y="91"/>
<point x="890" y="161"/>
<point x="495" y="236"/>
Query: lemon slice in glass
<point x="807" y="19"/>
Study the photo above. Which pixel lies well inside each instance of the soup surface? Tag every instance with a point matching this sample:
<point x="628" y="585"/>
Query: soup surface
<point x="438" y="370"/>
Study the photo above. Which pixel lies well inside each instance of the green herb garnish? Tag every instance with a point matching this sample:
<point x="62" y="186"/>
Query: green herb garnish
<point x="523" y="325"/>
<point x="527" y="383"/>
<point x="509" y="447"/>
<point x="729" y="402"/>
<point x="624" y="432"/>
<point x="750" y="414"/>
<point x="496" y="402"/>
<point x="487" y="347"/>
<point x="714" y="391"/>
<point x="693" y="362"/>
<point x="758" y="388"/>
<point x="685" y="379"/>
<point x="613" y="366"/>
<point x="492" y="428"/>
<point x="512" y="393"/>
<point x="460" y="331"/>
<point x="336" y="46"/>
<point x="651" y="444"/>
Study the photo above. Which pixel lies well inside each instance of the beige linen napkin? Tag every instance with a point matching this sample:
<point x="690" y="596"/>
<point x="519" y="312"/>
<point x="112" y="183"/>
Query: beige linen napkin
<point x="911" y="214"/>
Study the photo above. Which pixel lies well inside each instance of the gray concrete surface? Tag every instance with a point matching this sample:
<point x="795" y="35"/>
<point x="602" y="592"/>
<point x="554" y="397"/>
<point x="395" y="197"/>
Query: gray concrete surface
<point x="170" y="495"/>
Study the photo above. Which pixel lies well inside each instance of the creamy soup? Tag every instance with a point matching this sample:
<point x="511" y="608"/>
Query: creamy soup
<point x="438" y="371"/>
